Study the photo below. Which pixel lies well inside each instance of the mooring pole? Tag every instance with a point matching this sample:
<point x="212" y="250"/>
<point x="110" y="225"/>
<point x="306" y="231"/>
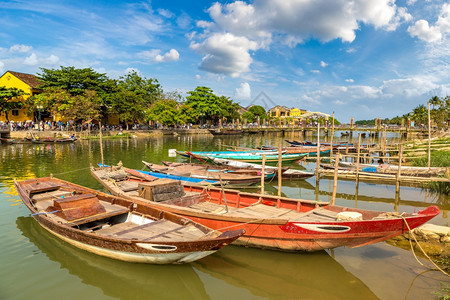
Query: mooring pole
<point x="101" y="142"/>
<point x="429" y="137"/>
<point x="263" y="173"/>
<point x="318" y="154"/>
<point x="400" y="158"/>
<point x="335" y="179"/>
<point x="279" y="170"/>
<point x="357" y="161"/>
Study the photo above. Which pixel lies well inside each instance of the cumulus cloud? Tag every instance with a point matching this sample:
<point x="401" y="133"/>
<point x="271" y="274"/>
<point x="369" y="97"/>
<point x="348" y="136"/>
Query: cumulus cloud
<point x="20" y="48"/>
<point x="2" y="66"/>
<point x="198" y="76"/>
<point x="349" y="80"/>
<point x="165" y="13"/>
<point x="31" y="60"/>
<point x="51" y="60"/>
<point x="225" y="54"/>
<point x="323" y="64"/>
<point x="256" y="25"/>
<point x="155" y="55"/>
<point x="243" y="92"/>
<point x="422" y="30"/>
<point x="172" y="55"/>
<point x="315" y="71"/>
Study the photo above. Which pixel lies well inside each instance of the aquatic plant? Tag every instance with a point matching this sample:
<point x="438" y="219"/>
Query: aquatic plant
<point x="438" y="159"/>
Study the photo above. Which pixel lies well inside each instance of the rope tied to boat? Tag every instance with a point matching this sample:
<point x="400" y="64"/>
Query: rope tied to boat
<point x="82" y="169"/>
<point x="420" y="247"/>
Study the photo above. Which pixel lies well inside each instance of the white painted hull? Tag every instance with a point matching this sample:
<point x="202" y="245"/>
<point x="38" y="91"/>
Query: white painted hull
<point x="151" y="258"/>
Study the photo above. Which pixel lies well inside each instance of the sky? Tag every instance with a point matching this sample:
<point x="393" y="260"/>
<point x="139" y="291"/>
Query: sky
<point x="361" y="58"/>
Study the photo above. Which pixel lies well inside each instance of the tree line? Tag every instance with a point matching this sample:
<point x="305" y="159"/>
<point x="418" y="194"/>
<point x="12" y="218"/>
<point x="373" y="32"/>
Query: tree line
<point x="84" y="94"/>
<point x="439" y="114"/>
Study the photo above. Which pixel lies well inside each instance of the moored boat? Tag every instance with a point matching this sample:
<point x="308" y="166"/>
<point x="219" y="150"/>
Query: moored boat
<point x="393" y="169"/>
<point x="269" y="221"/>
<point x="117" y="228"/>
<point x="208" y="172"/>
<point x="250" y="157"/>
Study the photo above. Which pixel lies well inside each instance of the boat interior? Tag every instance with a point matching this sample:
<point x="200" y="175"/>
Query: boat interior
<point x="87" y="212"/>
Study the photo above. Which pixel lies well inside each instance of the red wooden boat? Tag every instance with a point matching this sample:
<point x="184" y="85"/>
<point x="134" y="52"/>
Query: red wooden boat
<point x="269" y="221"/>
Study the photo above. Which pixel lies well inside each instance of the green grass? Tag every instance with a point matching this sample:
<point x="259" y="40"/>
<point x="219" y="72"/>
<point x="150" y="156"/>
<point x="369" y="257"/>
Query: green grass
<point x="438" y="159"/>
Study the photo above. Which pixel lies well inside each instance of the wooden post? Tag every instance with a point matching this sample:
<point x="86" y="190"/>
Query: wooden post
<point x="263" y="173"/>
<point x="397" y="180"/>
<point x="336" y="164"/>
<point x="357" y="160"/>
<point x="318" y="154"/>
<point x="223" y="193"/>
<point x="332" y="135"/>
<point x="279" y="170"/>
<point x="101" y="141"/>
<point x="429" y="137"/>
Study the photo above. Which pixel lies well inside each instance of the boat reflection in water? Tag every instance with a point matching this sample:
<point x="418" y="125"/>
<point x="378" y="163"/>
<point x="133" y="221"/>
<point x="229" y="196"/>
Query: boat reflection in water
<point x="282" y="275"/>
<point x="116" y="278"/>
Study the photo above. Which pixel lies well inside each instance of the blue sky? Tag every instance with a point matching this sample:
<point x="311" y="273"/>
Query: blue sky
<point x="358" y="58"/>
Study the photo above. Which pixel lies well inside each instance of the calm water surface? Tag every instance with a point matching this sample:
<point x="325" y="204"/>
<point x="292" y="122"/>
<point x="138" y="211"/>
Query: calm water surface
<point x="36" y="265"/>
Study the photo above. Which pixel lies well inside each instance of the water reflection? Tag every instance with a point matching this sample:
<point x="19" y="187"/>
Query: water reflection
<point x="115" y="278"/>
<point x="277" y="275"/>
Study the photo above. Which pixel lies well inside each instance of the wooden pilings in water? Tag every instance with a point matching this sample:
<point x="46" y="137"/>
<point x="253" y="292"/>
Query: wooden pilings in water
<point x="335" y="179"/>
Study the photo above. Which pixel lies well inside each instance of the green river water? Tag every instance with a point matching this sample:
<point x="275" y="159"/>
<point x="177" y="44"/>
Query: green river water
<point x="36" y="265"/>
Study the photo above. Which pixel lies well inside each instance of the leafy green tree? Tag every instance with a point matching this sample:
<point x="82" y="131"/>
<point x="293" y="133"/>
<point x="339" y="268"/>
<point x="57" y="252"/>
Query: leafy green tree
<point x="133" y="95"/>
<point x="10" y="98"/>
<point x="254" y="112"/>
<point x="419" y="114"/>
<point x="205" y="104"/>
<point x="435" y="101"/>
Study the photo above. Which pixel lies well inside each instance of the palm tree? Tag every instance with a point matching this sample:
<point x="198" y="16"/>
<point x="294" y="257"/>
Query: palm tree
<point x="435" y="101"/>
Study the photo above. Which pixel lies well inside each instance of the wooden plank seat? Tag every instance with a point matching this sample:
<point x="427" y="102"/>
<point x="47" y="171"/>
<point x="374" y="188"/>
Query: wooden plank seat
<point x="35" y="187"/>
<point x="111" y="211"/>
<point x="50" y="195"/>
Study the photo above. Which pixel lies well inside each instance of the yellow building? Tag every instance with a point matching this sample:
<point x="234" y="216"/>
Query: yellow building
<point x="279" y="112"/>
<point x="25" y="82"/>
<point x="296" y="112"/>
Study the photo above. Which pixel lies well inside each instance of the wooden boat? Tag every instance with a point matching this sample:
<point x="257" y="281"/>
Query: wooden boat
<point x="56" y="141"/>
<point x="207" y="172"/>
<point x="270" y="221"/>
<point x="327" y="170"/>
<point x="393" y="169"/>
<point x="227" y="152"/>
<point x="287" y="172"/>
<point x="15" y="141"/>
<point x="225" y="131"/>
<point x="300" y="149"/>
<point x="117" y="228"/>
<point x="249" y="157"/>
<point x="237" y="170"/>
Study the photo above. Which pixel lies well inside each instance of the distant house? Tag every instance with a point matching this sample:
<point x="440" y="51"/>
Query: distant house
<point x="279" y="112"/>
<point x="296" y="112"/>
<point x="25" y="82"/>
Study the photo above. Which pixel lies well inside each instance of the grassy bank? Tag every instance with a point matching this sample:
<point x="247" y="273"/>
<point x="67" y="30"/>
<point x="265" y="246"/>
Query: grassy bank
<point x="439" y="158"/>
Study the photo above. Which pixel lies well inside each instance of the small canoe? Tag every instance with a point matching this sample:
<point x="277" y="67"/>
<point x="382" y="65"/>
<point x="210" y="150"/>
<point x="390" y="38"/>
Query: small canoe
<point x="15" y="141"/>
<point x="287" y="172"/>
<point x="393" y="169"/>
<point x="207" y="172"/>
<point x="273" y="222"/>
<point x="117" y="228"/>
<point x="250" y="157"/>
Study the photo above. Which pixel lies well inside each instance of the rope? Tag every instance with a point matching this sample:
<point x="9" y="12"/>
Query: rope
<point x="420" y="247"/>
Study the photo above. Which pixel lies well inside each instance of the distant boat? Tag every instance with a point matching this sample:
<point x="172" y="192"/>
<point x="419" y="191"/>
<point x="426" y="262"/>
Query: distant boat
<point x="271" y="222"/>
<point x="51" y="140"/>
<point x="15" y="141"/>
<point x="117" y="228"/>
<point x="225" y="131"/>
<point x="249" y="157"/>
<point x="207" y="172"/>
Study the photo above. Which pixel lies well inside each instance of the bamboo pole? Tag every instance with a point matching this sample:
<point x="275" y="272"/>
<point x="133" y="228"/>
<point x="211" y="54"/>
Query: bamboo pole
<point x="223" y="193"/>
<point x="397" y="179"/>
<point x="263" y="173"/>
<point x="357" y="161"/>
<point x="335" y="179"/>
<point x="318" y="154"/>
<point x="332" y="136"/>
<point x="279" y="170"/>
<point x="429" y="137"/>
<point x="101" y="142"/>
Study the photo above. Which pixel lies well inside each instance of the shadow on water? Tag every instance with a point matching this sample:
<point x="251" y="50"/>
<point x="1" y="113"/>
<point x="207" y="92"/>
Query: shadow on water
<point x="116" y="278"/>
<point x="277" y="275"/>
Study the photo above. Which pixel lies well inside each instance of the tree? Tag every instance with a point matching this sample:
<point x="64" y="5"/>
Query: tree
<point x="420" y="114"/>
<point x="10" y="98"/>
<point x="133" y="95"/>
<point x="254" y="112"/>
<point x="204" y="102"/>
<point x="435" y="101"/>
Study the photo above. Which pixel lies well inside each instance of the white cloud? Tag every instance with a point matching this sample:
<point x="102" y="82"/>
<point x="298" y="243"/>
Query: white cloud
<point x="172" y="55"/>
<point x="155" y="55"/>
<point x="51" y="60"/>
<point x="225" y="54"/>
<point x="323" y="64"/>
<point x="243" y="92"/>
<point x="256" y="25"/>
<point x="349" y="80"/>
<point x="165" y="13"/>
<point x="315" y="71"/>
<point x="338" y="102"/>
<point x="198" y="76"/>
<point x="422" y="30"/>
<point x="31" y="60"/>
<point x="2" y="66"/>
<point x="20" y="48"/>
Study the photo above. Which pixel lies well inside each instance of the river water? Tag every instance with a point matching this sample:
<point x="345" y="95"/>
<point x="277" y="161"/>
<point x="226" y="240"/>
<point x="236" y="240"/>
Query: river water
<point x="36" y="265"/>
